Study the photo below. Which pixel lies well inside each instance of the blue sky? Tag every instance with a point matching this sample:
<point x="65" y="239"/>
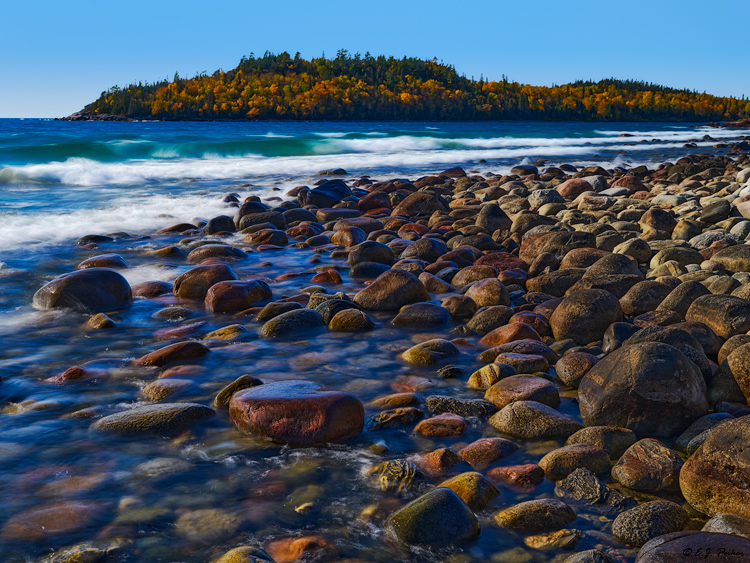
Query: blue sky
<point x="57" y="56"/>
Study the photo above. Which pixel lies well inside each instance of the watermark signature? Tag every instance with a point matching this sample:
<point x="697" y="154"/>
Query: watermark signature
<point x="705" y="552"/>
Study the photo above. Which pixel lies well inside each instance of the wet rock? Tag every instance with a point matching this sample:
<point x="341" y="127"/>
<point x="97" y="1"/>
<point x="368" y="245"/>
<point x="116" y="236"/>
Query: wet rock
<point x="615" y="441"/>
<point x="245" y="554"/>
<point x="589" y="556"/>
<point x="306" y="548"/>
<point x="417" y="204"/>
<point x="582" y="485"/>
<point x="648" y="466"/>
<point x="351" y="320"/>
<point x="571" y="368"/>
<point x="523" y="363"/>
<point x="509" y="333"/>
<point x="473" y="488"/>
<point x="561" y="462"/>
<point x="195" y="283"/>
<point x="535" y="516"/>
<point x="679" y="546"/>
<point x="649" y="520"/>
<point x="681" y="298"/>
<point x="54" y="520"/>
<point x="728" y="524"/>
<point x="486" y="451"/>
<point x="519" y="476"/>
<point x="151" y="289"/>
<point x="371" y="252"/>
<point x="113" y="261"/>
<point x="422" y="315"/>
<point x="100" y="321"/>
<point x="234" y="296"/>
<point x="650" y="388"/>
<point x="329" y="308"/>
<point x="396" y="475"/>
<point x="275" y="309"/>
<point x="220" y="251"/>
<point x="522" y="388"/>
<point x="678" y="338"/>
<point x="438" y="462"/>
<point x="437" y="404"/>
<point x="174" y="353"/>
<point x="427" y="248"/>
<point x="291" y="323"/>
<point x="88" y="552"/>
<point x="532" y="420"/>
<point x="400" y="416"/>
<point x="585" y="315"/>
<point x="734" y="258"/>
<point x="391" y="291"/>
<point x="430" y="352"/>
<point x="699" y="427"/>
<point x="163" y="388"/>
<point x="297" y="412"/>
<point x="208" y="525"/>
<point x="242" y="382"/>
<point x="488" y="375"/>
<point x="726" y="315"/>
<point x="436" y="519"/>
<point x="94" y="290"/>
<point x="162" y="419"/>
<point x="443" y="425"/>
<point x="715" y="478"/>
<point x="488" y="292"/>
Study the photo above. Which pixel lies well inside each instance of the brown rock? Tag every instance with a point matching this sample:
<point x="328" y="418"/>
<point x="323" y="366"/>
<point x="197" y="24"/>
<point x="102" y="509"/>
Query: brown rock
<point x="306" y="548"/>
<point x="234" y="296"/>
<point x="585" y="315"/>
<point x="174" y="353"/>
<point x="442" y="426"/>
<point x="522" y="388"/>
<point x="648" y="466"/>
<point x="195" y="283"/>
<point x="485" y="451"/>
<point x="391" y="291"/>
<point x="299" y="413"/>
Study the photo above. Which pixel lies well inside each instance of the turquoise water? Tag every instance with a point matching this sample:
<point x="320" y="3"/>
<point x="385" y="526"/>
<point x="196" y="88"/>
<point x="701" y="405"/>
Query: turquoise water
<point x="60" y="181"/>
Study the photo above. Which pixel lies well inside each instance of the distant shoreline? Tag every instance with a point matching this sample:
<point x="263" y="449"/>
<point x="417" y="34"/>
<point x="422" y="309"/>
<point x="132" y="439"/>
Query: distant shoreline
<point x="86" y="116"/>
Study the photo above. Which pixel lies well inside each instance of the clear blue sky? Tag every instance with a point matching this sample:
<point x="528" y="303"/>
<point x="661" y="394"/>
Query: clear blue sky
<point x="57" y="56"/>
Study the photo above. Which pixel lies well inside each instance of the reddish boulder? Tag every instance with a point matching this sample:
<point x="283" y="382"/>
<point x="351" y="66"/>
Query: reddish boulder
<point x="195" y="283"/>
<point x="297" y="412"/>
<point x="233" y="296"/>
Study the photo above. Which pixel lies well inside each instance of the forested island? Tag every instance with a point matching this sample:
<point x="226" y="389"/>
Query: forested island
<point x="355" y="87"/>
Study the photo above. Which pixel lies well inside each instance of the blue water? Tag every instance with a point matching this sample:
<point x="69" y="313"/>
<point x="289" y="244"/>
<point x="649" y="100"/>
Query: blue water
<point x="107" y="176"/>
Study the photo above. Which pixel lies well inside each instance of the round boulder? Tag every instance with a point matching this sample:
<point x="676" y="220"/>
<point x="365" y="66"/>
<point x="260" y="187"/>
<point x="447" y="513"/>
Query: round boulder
<point x="391" y="291"/>
<point x="297" y="412"/>
<point x="585" y="315"/>
<point x="716" y="478"/>
<point x="650" y="388"/>
<point x="93" y="290"/>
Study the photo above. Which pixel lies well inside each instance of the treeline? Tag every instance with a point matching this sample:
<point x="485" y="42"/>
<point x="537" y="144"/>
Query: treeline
<point x="282" y="87"/>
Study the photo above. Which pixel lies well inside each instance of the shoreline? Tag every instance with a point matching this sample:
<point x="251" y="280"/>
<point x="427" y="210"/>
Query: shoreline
<point x="463" y="328"/>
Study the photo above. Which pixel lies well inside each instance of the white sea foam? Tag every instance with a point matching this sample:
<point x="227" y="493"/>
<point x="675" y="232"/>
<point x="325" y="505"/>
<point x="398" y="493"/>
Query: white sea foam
<point x="134" y="215"/>
<point x="400" y="152"/>
<point x="150" y="272"/>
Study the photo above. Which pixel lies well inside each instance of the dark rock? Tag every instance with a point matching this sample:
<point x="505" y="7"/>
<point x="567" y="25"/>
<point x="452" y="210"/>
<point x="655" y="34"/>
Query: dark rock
<point x="93" y="290"/>
<point x="651" y="388"/>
